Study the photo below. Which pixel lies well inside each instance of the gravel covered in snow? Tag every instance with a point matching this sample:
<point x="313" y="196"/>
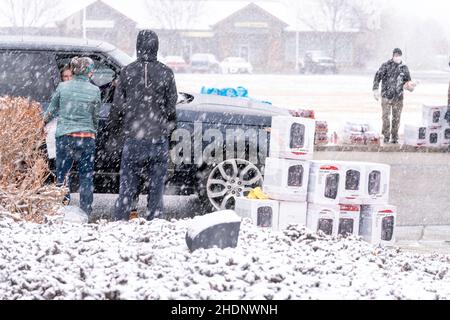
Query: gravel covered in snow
<point x="150" y="260"/>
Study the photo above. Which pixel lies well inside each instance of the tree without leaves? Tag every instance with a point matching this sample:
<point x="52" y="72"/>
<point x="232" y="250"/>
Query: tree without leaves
<point x="29" y="13"/>
<point x="362" y="14"/>
<point x="174" y="14"/>
<point x="335" y="16"/>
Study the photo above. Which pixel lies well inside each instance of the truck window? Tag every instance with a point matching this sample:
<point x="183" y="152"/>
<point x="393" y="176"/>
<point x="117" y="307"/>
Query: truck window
<point x="105" y="72"/>
<point x="32" y="75"/>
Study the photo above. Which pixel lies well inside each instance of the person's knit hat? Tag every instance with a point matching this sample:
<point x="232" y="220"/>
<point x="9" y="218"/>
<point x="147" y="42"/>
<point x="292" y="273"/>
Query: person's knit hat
<point x="82" y="65"/>
<point x="397" y="51"/>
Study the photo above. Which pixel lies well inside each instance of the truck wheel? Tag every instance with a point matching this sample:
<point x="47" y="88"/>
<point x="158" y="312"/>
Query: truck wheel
<point x="227" y="181"/>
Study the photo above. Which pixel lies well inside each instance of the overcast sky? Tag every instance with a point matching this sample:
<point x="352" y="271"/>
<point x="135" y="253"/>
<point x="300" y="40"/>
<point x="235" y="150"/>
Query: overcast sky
<point x="439" y="9"/>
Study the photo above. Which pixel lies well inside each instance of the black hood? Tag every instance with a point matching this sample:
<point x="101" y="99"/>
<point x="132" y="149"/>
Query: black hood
<point x="147" y="45"/>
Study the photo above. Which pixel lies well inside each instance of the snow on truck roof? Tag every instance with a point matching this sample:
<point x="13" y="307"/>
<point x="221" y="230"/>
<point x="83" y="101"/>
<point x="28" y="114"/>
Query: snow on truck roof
<point x="46" y="43"/>
<point x="63" y="44"/>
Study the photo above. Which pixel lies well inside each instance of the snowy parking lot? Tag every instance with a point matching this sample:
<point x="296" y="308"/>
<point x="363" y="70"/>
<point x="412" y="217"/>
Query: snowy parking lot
<point x="150" y="260"/>
<point x="335" y="98"/>
<point x="332" y="210"/>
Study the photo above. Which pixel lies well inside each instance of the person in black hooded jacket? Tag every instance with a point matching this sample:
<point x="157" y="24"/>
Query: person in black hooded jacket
<point x="144" y="115"/>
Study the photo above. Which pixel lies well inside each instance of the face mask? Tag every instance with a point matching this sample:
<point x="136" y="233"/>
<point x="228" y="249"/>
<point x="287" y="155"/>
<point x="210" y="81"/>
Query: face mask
<point x="397" y="59"/>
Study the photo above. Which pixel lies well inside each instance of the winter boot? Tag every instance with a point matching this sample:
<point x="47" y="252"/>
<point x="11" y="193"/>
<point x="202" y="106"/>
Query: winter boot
<point x="134" y="214"/>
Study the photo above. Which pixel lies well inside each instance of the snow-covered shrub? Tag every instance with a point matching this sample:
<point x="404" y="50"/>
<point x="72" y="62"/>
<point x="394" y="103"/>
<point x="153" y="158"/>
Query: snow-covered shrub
<point x="23" y="165"/>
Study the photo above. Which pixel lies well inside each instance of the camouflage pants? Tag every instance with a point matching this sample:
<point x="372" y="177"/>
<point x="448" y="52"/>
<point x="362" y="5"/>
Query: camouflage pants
<point x="395" y="107"/>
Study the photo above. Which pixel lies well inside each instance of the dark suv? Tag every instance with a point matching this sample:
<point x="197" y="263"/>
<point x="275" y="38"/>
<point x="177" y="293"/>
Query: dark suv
<point x="317" y="61"/>
<point x="29" y="67"/>
<point x="204" y="62"/>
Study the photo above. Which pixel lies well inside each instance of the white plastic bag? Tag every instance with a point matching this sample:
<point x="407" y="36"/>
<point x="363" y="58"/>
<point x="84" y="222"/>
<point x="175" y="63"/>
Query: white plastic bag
<point x="50" y="139"/>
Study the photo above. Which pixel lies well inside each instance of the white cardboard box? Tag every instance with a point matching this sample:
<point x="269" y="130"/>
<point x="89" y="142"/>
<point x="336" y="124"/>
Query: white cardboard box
<point x="339" y="182"/>
<point x="376" y="183"/>
<point x="345" y="219"/>
<point x="377" y="224"/>
<point x="263" y="213"/>
<point x="352" y="182"/>
<point x="433" y="115"/>
<point x="349" y="219"/>
<point x="415" y="136"/>
<point x="434" y="136"/>
<point x="286" y="179"/>
<point x="292" y="138"/>
<point x="445" y="142"/>
<point x="292" y="213"/>
<point x="324" y="182"/>
<point x="324" y="218"/>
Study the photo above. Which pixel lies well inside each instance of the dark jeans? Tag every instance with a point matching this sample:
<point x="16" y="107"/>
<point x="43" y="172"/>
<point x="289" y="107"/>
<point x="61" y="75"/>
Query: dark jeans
<point x="143" y="158"/>
<point x="81" y="150"/>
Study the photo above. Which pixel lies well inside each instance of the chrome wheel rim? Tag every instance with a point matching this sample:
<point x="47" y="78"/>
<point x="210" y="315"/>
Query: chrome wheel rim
<point x="232" y="179"/>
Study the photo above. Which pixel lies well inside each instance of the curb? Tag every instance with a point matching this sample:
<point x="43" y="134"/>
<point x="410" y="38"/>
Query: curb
<point x="423" y="233"/>
<point x="409" y="233"/>
<point x="436" y="233"/>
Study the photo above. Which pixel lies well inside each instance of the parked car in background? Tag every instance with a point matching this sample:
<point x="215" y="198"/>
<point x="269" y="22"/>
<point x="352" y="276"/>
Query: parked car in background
<point x="317" y="61"/>
<point x="236" y="65"/>
<point x="176" y="63"/>
<point x="204" y="62"/>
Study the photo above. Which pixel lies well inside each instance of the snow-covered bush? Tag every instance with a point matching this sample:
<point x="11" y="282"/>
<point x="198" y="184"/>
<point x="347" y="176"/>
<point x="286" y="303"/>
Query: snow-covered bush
<point x="23" y="165"/>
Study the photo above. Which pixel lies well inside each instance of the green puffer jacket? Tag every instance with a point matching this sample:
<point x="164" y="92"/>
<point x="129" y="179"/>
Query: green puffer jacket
<point x="76" y="103"/>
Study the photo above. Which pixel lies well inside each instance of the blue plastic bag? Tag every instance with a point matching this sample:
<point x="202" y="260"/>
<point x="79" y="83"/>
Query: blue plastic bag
<point x="242" y="92"/>
<point x="228" y="92"/>
<point x="239" y="92"/>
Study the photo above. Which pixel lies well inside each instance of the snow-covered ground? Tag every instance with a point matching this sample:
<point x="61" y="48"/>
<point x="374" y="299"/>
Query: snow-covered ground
<point x="335" y="98"/>
<point x="150" y="260"/>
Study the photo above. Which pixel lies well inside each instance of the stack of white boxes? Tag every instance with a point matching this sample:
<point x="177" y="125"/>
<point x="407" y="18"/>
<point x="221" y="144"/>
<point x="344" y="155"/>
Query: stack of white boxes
<point x="359" y="133"/>
<point x="344" y="196"/>
<point x="336" y="197"/>
<point x="286" y="175"/>
<point x="321" y="135"/>
<point x="434" y="132"/>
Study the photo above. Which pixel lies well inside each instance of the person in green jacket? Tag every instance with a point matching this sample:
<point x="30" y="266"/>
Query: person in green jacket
<point x="76" y="103"/>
